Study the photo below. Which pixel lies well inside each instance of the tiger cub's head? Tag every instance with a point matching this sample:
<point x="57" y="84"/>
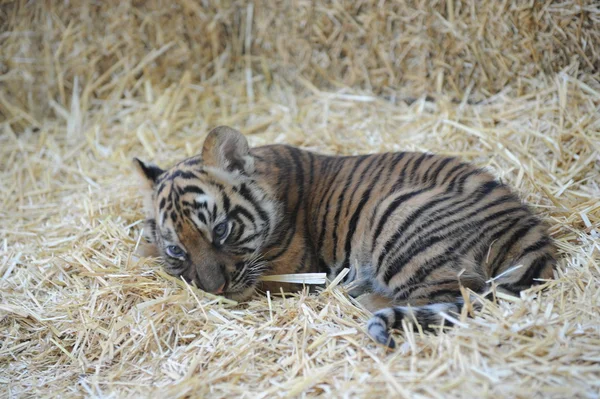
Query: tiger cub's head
<point x="209" y="216"/>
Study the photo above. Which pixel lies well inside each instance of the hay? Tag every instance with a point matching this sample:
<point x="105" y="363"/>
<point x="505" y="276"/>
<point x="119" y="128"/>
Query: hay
<point x="83" y="88"/>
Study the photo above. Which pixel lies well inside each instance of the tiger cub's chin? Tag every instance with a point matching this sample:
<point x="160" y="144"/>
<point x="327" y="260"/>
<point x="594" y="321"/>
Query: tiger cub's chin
<point x="413" y="228"/>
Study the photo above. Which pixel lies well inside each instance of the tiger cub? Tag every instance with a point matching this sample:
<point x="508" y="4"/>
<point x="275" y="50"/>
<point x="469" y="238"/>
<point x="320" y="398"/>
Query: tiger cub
<point x="412" y="228"/>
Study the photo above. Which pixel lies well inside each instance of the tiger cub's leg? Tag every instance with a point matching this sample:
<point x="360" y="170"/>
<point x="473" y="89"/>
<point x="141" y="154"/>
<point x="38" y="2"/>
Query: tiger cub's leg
<point x="426" y="316"/>
<point x="427" y="305"/>
<point x="531" y="260"/>
<point x="386" y="313"/>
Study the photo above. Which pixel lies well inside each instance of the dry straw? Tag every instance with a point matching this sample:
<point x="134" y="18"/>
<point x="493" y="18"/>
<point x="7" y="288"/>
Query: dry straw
<point x="85" y="86"/>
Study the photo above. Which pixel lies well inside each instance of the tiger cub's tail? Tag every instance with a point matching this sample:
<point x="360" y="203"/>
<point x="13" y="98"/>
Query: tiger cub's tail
<point x="427" y="316"/>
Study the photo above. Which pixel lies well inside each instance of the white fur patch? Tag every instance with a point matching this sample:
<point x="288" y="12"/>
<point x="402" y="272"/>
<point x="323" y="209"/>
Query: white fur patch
<point x="209" y="200"/>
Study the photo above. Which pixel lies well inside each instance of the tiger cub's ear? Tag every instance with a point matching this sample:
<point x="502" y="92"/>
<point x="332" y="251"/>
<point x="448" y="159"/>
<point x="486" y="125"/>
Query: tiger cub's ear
<point x="148" y="173"/>
<point x="227" y="149"/>
<point x="148" y="176"/>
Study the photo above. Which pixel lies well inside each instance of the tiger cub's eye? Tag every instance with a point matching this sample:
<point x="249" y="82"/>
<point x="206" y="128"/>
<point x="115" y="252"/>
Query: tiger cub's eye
<point x="220" y="231"/>
<point x="175" y="252"/>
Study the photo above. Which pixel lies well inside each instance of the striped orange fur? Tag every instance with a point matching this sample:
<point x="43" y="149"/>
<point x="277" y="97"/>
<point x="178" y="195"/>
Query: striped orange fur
<point x="412" y="228"/>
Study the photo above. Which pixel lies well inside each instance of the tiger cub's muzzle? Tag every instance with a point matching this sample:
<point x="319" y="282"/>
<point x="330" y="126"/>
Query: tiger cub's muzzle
<point x="213" y="279"/>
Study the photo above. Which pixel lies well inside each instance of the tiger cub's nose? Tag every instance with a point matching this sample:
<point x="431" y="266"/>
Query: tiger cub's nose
<point x="220" y="289"/>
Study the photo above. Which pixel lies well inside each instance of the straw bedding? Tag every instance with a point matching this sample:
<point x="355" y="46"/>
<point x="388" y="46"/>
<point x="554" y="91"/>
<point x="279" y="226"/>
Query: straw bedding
<point x="511" y="86"/>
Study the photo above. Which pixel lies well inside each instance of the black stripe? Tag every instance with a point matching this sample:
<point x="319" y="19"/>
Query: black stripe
<point x="453" y="254"/>
<point x="357" y="212"/>
<point x="417" y="280"/>
<point x="438" y="168"/>
<point x="168" y="206"/>
<point x="399" y="315"/>
<point x="330" y="190"/>
<point x="528" y="278"/>
<point x="463" y="180"/>
<point x="369" y="169"/>
<point x="453" y="292"/>
<point x="200" y="232"/>
<point x="199" y="205"/>
<point x="161" y="187"/>
<point x="323" y="267"/>
<point x="327" y="165"/>
<point x="391" y="208"/>
<point x="167" y="235"/>
<point x="306" y="261"/>
<point x="247" y="239"/>
<point x="283" y="182"/>
<point x="213" y="213"/>
<point x="405" y="197"/>
<point x="192" y="161"/>
<point x="541" y="243"/>
<point x="392" y="241"/>
<point x="398" y="156"/>
<point x="240" y="228"/>
<point x="449" y="210"/>
<point x="259" y="158"/>
<point x="191" y="189"/>
<point x="338" y="209"/>
<point x="241" y="250"/>
<point x="151" y="226"/>
<point x="508" y="245"/>
<point x="307" y="201"/>
<point x="427" y="318"/>
<point x="421" y="244"/>
<point x="311" y="170"/>
<point x="219" y="186"/>
<point x="400" y="181"/>
<point x="282" y="166"/>
<point x="183" y="174"/>
<point x="478" y="238"/>
<point x="398" y="185"/>
<point x="416" y="166"/>
<point x="238" y="210"/>
<point x="501" y="227"/>
<point x="300" y="266"/>
<point x="425" y="177"/>
<point x="291" y="231"/>
<point x="249" y="197"/>
<point x="299" y="172"/>
<point x="452" y="171"/>
<point x="383" y="318"/>
<point x="226" y="203"/>
<point x="175" y="197"/>
<point x="178" y="190"/>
